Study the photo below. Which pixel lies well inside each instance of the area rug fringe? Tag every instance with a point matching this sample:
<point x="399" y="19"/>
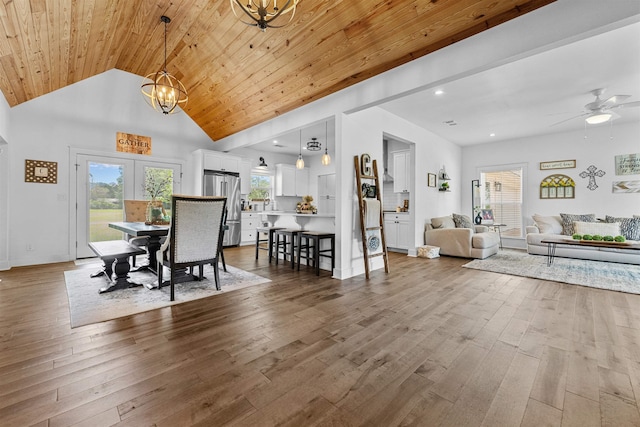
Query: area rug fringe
<point x="594" y="274"/>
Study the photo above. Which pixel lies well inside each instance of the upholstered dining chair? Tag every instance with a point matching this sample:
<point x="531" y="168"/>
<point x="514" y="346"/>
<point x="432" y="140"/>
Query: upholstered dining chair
<point x="195" y="238"/>
<point x="136" y="211"/>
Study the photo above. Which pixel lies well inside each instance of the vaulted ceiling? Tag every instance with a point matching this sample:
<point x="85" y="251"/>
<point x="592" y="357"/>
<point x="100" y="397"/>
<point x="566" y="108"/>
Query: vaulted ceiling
<point x="236" y="75"/>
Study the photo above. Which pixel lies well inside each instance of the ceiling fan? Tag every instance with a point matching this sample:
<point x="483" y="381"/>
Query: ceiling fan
<point x="601" y="111"/>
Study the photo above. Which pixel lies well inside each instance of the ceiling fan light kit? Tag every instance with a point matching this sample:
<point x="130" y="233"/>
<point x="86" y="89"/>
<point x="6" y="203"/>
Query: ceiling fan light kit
<point x="597" y="118"/>
<point x="601" y="111"/>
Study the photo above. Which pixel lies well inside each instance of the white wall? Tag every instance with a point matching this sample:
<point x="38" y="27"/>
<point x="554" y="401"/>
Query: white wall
<point x="4" y="183"/>
<point x="362" y="132"/>
<point x="540" y="30"/>
<point x="602" y="144"/>
<point x="84" y="116"/>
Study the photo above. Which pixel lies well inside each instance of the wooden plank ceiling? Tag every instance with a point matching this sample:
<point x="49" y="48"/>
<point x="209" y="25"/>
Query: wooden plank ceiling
<point x="236" y="75"/>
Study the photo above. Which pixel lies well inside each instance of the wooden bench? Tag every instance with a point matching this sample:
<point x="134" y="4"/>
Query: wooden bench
<point x="115" y="256"/>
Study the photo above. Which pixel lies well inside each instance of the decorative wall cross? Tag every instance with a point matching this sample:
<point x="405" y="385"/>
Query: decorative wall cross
<point x="591" y="173"/>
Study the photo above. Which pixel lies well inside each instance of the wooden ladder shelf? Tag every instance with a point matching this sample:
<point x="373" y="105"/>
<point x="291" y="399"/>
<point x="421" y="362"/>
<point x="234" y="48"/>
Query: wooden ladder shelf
<point x="363" y="230"/>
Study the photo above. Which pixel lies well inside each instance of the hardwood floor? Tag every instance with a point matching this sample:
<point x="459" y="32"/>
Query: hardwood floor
<point x="429" y="344"/>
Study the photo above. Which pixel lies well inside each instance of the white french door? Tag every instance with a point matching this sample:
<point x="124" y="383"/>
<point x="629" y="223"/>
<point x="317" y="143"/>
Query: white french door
<point x="102" y="183"/>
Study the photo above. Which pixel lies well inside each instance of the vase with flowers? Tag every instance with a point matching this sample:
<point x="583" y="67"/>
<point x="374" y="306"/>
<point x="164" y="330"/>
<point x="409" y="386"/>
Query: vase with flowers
<point x="305" y="206"/>
<point x="157" y="187"/>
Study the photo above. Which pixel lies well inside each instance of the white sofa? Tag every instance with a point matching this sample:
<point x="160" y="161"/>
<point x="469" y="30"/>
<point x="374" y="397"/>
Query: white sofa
<point x="551" y="226"/>
<point x="476" y="242"/>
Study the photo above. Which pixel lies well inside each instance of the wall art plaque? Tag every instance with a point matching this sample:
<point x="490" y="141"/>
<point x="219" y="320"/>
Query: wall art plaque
<point x="130" y="143"/>
<point x="41" y="171"/>
<point x="628" y="164"/>
<point x="557" y="164"/>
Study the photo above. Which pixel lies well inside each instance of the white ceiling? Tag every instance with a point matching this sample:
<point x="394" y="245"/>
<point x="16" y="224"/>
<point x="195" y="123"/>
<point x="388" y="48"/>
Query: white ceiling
<point x="520" y="99"/>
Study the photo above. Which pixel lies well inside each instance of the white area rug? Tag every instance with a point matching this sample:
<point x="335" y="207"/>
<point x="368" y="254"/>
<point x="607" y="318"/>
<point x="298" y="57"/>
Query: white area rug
<point x="87" y="306"/>
<point x="594" y="274"/>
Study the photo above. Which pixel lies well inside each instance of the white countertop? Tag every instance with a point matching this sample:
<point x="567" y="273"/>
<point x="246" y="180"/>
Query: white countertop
<point x="293" y="213"/>
<point x="302" y="220"/>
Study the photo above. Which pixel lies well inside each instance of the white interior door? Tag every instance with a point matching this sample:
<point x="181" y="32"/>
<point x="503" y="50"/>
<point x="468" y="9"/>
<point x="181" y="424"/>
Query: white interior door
<point x="102" y="183"/>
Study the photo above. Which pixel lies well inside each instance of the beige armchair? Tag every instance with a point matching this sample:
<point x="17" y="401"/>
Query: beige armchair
<point x="476" y="242"/>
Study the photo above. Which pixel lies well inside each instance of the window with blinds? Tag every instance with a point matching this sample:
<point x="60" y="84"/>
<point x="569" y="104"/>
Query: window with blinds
<point x="501" y="190"/>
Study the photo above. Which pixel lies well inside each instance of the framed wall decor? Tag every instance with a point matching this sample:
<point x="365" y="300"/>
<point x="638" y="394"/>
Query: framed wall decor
<point x="487" y="216"/>
<point x="628" y="164"/>
<point x="41" y="171"/>
<point x="130" y="143"/>
<point x="431" y="179"/>
<point x="557" y="164"/>
<point x="626" y="186"/>
<point x="557" y="187"/>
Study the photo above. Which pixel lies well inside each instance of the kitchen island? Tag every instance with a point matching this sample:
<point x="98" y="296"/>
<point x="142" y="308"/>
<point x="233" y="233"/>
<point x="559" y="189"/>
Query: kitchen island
<point x="291" y="219"/>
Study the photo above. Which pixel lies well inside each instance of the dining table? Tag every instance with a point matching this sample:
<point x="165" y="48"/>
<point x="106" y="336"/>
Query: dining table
<point x="155" y="233"/>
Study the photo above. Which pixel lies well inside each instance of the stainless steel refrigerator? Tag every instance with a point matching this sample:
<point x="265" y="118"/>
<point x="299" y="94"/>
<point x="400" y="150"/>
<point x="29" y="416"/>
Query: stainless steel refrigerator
<point x="226" y="184"/>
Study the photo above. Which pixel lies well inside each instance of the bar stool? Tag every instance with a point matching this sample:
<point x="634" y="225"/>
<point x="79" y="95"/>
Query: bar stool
<point x="289" y="237"/>
<point x="270" y="232"/>
<point x="314" y="251"/>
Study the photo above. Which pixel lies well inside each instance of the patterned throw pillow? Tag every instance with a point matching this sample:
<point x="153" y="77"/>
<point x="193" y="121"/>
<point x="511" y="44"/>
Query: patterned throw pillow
<point x="462" y="221"/>
<point x="629" y="227"/>
<point x="568" y="220"/>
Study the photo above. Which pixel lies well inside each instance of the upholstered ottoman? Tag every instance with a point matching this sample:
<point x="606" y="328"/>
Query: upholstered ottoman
<point x="427" y="251"/>
<point x="484" y="244"/>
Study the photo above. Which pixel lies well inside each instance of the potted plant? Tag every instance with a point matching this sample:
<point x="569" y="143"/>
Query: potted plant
<point x="157" y="186"/>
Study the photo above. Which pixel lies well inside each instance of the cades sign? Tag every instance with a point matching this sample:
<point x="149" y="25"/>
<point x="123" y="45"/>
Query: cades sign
<point x="130" y="143"/>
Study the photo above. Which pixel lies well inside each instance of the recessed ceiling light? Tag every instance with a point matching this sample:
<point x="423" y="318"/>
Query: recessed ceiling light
<point x="492" y="134"/>
<point x="275" y="141"/>
<point x="439" y="92"/>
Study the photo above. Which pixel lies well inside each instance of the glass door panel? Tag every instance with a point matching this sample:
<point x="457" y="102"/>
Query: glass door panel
<point x="158" y="181"/>
<point x="102" y="184"/>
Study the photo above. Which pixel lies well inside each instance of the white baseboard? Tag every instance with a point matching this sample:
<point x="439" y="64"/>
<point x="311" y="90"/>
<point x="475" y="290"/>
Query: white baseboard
<point x="22" y="262"/>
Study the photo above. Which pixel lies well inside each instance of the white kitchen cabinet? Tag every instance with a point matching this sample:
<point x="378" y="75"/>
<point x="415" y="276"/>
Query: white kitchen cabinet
<point x="221" y="162"/>
<point x="245" y="177"/>
<point x="401" y="171"/>
<point x="302" y="182"/>
<point x="285" y="180"/>
<point x="396" y="228"/>
<point x="327" y="185"/>
<point x="211" y="160"/>
<point x="250" y="221"/>
<point x="326" y="193"/>
<point x="291" y="181"/>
